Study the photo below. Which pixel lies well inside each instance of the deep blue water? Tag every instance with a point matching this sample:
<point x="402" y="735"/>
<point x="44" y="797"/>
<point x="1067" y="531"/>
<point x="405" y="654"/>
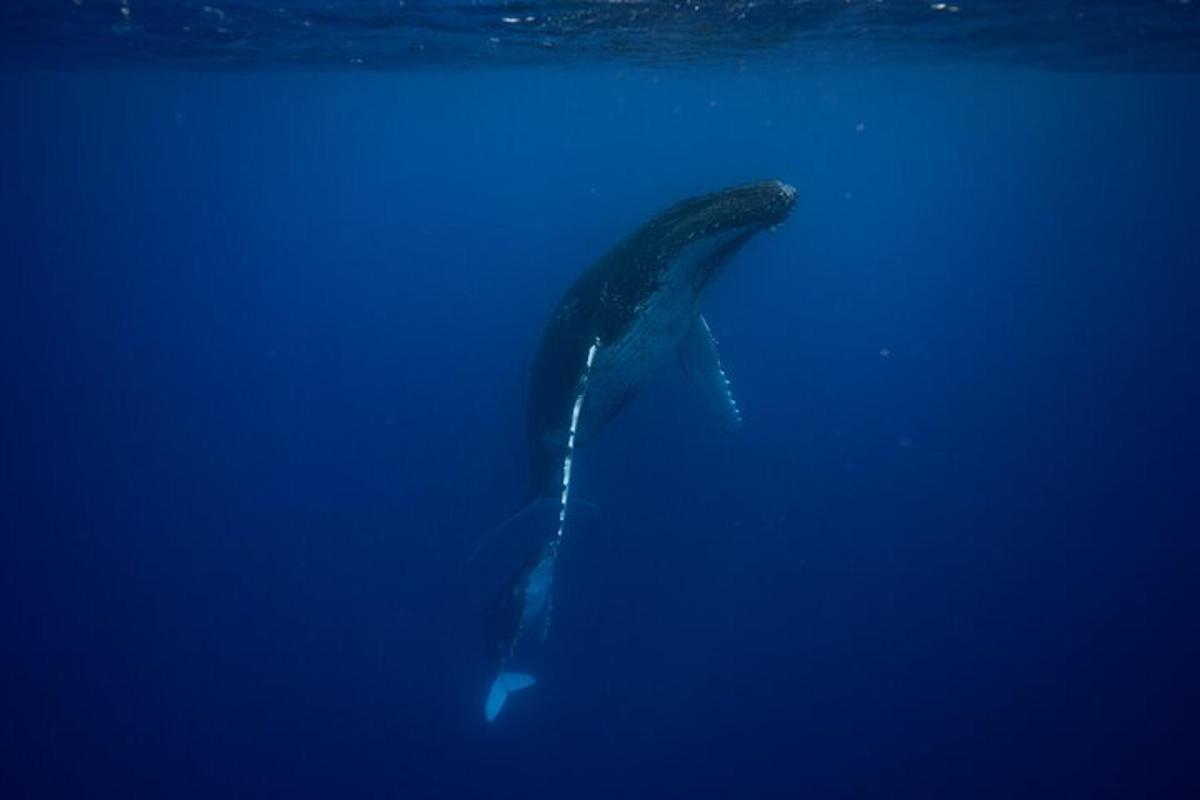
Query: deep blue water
<point x="265" y="336"/>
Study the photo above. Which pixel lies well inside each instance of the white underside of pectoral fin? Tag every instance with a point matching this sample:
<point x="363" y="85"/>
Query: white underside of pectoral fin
<point x="701" y="361"/>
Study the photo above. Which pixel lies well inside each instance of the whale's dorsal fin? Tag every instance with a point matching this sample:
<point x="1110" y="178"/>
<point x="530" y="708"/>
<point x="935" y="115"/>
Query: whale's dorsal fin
<point x="700" y="360"/>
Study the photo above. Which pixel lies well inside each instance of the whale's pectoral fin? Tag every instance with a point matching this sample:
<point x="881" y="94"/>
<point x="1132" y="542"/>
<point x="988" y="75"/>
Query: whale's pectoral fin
<point x="528" y="523"/>
<point x="700" y="360"/>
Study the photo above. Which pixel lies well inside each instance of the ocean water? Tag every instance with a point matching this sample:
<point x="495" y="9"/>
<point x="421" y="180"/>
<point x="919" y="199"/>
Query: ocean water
<point x="272" y="281"/>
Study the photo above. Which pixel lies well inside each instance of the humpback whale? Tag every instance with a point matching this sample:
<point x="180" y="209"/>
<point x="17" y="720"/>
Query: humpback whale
<point x="634" y="310"/>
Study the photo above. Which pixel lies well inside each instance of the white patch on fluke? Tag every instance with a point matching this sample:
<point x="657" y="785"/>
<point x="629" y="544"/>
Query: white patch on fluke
<point x="505" y="684"/>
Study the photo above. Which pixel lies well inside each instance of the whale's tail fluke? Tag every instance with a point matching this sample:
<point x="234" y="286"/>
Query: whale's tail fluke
<point x="505" y="684"/>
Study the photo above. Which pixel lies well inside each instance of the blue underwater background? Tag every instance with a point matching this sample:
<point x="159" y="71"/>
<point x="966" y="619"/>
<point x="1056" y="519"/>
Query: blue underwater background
<point x="266" y="327"/>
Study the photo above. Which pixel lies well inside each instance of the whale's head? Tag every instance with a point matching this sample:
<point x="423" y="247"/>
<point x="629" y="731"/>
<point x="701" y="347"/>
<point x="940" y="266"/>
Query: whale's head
<point x="695" y="238"/>
<point x="753" y="207"/>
